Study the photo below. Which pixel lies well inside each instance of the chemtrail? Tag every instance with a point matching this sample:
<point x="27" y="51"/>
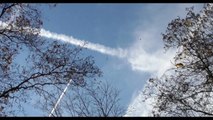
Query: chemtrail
<point x="96" y="47"/>
<point x="59" y="99"/>
<point x="119" y="52"/>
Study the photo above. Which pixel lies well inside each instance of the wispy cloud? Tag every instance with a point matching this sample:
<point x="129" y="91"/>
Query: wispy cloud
<point x="153" y="62"/>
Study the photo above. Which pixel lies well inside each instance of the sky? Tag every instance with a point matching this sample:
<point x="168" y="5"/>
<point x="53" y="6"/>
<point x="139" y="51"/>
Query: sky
<point x="124" y="39"/>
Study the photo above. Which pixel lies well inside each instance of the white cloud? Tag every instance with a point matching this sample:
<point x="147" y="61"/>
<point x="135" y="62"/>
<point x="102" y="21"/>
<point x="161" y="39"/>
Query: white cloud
<point x="155" y="62"/>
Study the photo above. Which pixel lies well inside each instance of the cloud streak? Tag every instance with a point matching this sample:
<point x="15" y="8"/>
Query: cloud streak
<point x="121" y="53"/>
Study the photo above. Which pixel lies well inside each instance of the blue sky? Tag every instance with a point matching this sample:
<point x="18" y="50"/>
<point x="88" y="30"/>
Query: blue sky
<point x="135" y="28"/>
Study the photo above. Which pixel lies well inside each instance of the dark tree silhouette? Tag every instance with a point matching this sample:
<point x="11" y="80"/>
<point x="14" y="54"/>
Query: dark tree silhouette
<point x="30" y="65"/>
<point x="187" y="89"/>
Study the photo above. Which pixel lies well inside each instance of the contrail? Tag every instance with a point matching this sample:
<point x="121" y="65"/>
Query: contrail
<point x="59" y="99"/>
<point x="119" y="52"/>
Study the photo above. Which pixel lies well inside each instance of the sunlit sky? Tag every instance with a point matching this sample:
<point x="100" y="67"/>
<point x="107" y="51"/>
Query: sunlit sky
<point x="134" y="28"/>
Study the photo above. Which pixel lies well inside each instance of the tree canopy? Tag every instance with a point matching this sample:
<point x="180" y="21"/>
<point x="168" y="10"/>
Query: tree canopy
<point x="187" y="89"/>
<point x="30" y="64"/>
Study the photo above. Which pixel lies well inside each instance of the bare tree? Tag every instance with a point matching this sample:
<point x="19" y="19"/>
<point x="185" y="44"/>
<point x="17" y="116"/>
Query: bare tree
<point x="97" y="99"/>
<point x="45" y="66"/>
<point x="187" y="89"/>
